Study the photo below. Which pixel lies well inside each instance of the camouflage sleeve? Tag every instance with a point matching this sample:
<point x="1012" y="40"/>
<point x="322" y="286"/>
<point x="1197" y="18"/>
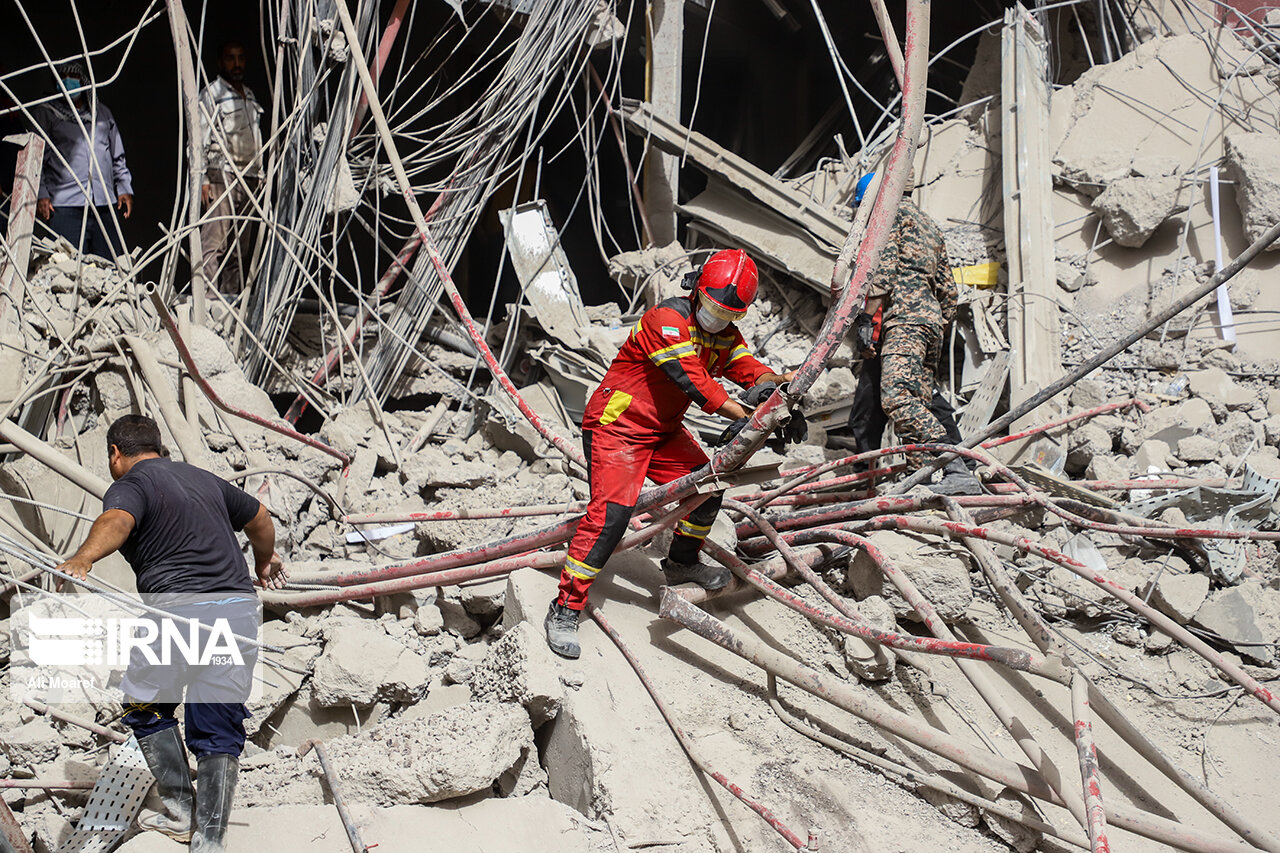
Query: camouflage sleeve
<point x="886" y="274"/>
<point x="944" y="286"/>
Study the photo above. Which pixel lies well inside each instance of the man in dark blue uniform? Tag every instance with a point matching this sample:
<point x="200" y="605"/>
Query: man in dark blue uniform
<point x="176" y="526"/>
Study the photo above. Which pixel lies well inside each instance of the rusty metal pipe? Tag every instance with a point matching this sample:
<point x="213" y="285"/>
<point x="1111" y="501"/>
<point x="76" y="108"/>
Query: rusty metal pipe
<point x="88" y="725"/>
<point x="970" y="756"/>
<point x="539" y="560"/>
<point x="1045" y="640"/>
<point x="1087" y="753"/>
<point x="1004" y="713"/>
<point x="1155" y="617"/>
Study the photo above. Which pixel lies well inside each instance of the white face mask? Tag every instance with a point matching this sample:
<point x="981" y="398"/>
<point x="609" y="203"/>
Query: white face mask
<point x="709" y="321"/>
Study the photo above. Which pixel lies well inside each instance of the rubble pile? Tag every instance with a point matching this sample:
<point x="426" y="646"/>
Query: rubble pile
<point x="1111" y="600"/>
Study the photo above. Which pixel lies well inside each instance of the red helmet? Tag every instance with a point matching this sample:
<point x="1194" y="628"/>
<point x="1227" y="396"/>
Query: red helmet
<point x="726" y="286"/>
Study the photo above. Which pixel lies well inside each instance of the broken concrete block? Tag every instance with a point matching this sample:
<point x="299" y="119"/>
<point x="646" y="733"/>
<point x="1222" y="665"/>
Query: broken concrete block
<point x="432" y="468"/>
<point x="1132" y="208"/>
<point x="484" y="600"/>
<point x="1017" y="835"/>
<point x="1088" y="394"/>
<point x="361" y="665"/>
<point x="456" y="752"/>
<point x="428" y="621"/>
<point x="1253" y="164"/>
<point x="940" y="574"/>
<point x="1179" y="596"/>
<point x="1154" y="456"/>
<point x="529" y="593"/>
<point x="279" y="684"/>
<point x="1218" y="389"/>
<point x="1273" y="401"/>
<point x="462" y="666"/>
<point x="1231" y="617"/>
<point x="1106" y="468"/>
<point x="36" y="742"/>
<point x="520" y="668"/>
<point x="1069" y="278"/>
<point x="1198" y="448"/>
<point x="1240" y="433"/>
<point x="1083" y="444"/>
<point x="456" y="619"/>
<point x="1170" y="423"/>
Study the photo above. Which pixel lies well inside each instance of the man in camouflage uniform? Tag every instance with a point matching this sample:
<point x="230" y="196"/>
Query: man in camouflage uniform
<point x="914" y="295"/>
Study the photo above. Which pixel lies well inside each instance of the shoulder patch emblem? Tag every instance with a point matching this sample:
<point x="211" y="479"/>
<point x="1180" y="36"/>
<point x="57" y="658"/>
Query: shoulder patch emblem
<point x="670" y="332"/>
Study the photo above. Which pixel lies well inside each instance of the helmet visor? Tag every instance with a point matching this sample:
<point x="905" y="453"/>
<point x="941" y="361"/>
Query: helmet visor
<point x="715" y="309"/>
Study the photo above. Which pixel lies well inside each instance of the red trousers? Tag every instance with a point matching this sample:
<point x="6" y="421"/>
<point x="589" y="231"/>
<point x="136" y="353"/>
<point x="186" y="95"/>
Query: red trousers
<point x="617" y="466"/>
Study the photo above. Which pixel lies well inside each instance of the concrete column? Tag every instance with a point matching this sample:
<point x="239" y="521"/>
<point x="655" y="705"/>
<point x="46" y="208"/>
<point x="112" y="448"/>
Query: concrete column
<point x="662" y="171"/>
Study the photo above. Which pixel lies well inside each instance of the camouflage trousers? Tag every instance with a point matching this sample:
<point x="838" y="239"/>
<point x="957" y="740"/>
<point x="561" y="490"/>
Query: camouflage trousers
<point x="909" y="356"/>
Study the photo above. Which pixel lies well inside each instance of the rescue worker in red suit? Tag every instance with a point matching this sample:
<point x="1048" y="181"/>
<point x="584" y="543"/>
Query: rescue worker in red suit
<point x="633" y="428"/>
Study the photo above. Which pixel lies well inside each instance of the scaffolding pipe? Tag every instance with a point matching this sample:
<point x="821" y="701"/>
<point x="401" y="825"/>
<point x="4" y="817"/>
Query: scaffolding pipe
<point x="970" y="756"/>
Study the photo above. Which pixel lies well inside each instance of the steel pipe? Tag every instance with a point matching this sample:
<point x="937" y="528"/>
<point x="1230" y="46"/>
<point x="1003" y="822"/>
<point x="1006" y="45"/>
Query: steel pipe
<point x="970" y="756"/>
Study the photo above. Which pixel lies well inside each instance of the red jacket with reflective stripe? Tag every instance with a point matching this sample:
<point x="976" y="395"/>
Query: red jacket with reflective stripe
<point x="666" y="363"/>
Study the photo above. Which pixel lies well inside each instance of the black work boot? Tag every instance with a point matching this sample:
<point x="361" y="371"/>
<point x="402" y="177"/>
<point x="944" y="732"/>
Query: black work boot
<point x="167" y="759"/>
<point x="562" y="630"/>
<point x="957" y="479"/>
<point x="215" y="788"/>
<point x="708" y="577"/>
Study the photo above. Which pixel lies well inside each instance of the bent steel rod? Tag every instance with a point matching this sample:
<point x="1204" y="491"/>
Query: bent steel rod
<point x="970" y="756"/>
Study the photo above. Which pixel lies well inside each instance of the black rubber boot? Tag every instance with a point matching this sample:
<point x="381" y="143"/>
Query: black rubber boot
<point x="167" y="759"/>
<point x="957" y="479"/>
<point x="216" y="777"/>
<point x="562" y="630"/>
<point x="707" y="577"/>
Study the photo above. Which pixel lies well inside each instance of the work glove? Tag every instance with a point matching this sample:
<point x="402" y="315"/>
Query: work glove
<point x="757" y="394"/>
<point x="797" y="429"/>
<point x="731" y="431"/>
<point x="864" y="335"/>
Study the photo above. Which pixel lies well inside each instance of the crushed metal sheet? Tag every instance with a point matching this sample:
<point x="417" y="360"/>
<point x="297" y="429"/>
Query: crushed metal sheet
<point x="114" y="802"/>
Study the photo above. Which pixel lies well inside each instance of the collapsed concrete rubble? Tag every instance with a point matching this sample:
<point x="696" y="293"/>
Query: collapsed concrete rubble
<point x="1111" y="602"/>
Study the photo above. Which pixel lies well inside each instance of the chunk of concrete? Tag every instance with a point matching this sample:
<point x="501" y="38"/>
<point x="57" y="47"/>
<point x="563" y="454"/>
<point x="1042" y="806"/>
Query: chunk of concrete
<point x="1088" y="394"/>
<point x="1198" y="448"/>
<point x="1154" y="456"/>
<point x="31" y="743"/>
<point x="484" y="600"/>
<point x="457" y="619"/>
<point x="1083" y="444"/>
<point x="1106" y="468"/>
<point x="279" y="684"/>
<point x="428" y="621"/>
<point x="529" y="593"/>
<point x="1218" y="389"/>
<point x="361" y="665"/>
<point x="1170" y="423"/>
<point x="1253" y="164"/>
<point x="1179" y="596"/>
<point x="520" y="668"/>
<point x="432" y="468"/>
<point x="456" y="752"/>
<point x="940" y="574"/>
<point x="1133" y="208"/>
<point x="1232" y="618"/>
<point x="462" y="666"/>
